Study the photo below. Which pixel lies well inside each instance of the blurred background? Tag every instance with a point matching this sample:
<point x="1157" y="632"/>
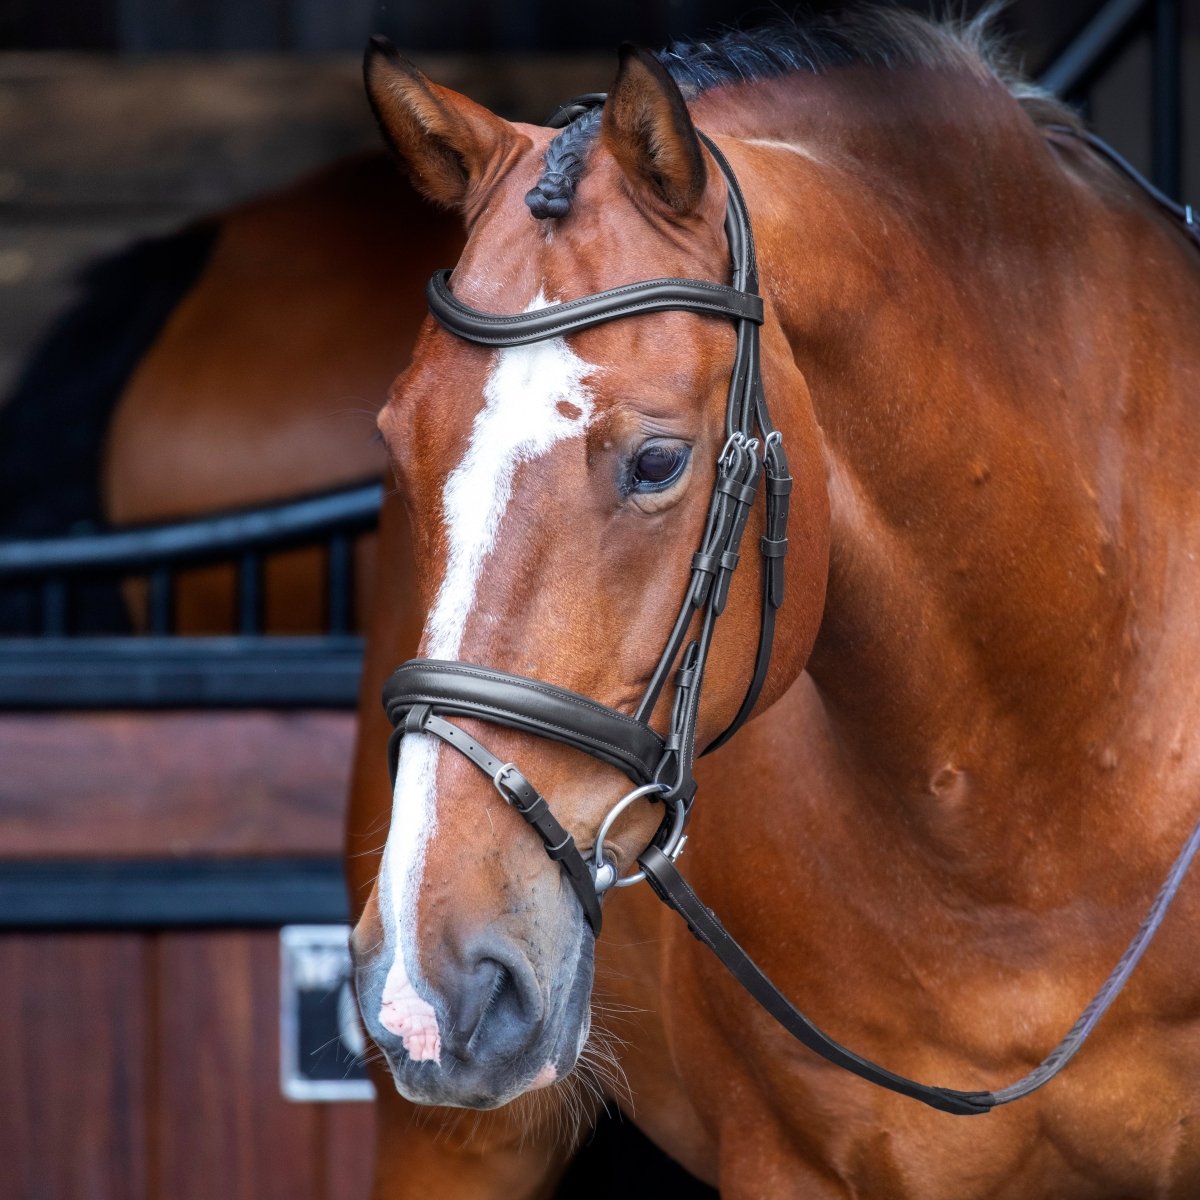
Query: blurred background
<point x="175" y="737"/>
<point x="124" y="117"/>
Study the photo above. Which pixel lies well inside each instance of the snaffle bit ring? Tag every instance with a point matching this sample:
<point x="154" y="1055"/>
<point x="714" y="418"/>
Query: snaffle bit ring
<point x="603" y="869"/>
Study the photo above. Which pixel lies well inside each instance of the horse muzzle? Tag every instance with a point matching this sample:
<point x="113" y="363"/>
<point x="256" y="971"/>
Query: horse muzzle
<point x="484" y="1029"/>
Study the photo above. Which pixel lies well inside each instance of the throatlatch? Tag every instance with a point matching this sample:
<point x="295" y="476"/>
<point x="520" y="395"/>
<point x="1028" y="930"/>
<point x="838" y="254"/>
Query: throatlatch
<point x="423" y="692"/>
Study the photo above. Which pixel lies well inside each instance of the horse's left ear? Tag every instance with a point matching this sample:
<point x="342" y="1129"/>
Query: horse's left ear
<point x="649" y="131"/>
<point x="445" y="141"/>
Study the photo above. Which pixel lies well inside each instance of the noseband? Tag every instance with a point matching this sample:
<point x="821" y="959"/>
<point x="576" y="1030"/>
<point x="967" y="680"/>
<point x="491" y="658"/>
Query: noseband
<point x="423" y="692"/>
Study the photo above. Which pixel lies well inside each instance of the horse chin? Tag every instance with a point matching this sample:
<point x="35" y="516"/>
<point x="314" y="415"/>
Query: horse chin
<point x="482" y="1077"/>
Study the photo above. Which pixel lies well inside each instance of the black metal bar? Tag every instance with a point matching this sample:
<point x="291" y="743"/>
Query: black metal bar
<point x="131" y="551"/>
<point x="339" y="583"/>
<point x="162" y="596"/>
<point x="180" y="672"/>
<point x="249" y="593"/>
<point x="1106" y="33"/>
<point x="1167" y="84"/>
<point x="54" y="607"/>
<point x="186" y="893"/>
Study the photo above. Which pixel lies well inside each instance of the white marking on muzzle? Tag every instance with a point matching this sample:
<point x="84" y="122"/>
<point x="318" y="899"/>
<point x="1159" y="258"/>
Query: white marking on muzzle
<point x="520" y="420"/>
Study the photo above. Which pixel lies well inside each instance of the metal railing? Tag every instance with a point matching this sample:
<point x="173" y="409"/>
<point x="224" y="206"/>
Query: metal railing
<point x="55" y="667"/>
<point x="1111" y="30"/>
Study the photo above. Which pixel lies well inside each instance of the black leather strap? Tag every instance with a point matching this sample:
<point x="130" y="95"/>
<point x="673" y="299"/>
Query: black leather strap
<point x="674" y="891"/>
<point x="1184" y="213"/>
<point x="517" y="791"/>
<point x="773" y="547"/>
<point x="465" y="690"/>
<point x="634" y="299"/>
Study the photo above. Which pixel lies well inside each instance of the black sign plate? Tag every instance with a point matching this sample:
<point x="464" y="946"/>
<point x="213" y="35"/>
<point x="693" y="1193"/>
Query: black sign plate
<point x="321" y="1037"/>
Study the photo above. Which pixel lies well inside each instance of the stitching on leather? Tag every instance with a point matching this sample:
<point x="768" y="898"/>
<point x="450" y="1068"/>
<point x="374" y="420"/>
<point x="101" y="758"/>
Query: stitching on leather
<point x="538" y="330"/>
<point x="544" y="315"/>
<point x="475" y="708"/>
<point x="533" y="685"/>
<point x="620" y="752"/>
<point x="557" y="320"/>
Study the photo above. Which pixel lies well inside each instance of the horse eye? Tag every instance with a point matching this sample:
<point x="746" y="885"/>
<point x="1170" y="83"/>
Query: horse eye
<point x="658" y="465"/>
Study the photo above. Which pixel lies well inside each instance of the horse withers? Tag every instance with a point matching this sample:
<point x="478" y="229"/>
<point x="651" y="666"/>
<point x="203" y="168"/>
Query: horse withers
<point x="971" y="760"/>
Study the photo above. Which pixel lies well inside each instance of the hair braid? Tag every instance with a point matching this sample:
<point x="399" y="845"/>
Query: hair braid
<point x="565" y="156"/>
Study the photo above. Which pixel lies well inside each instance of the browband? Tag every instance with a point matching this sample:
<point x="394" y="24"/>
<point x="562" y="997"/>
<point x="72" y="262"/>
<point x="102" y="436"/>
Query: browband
<point x="571" y="316"/>
<point x="630" y="300"/>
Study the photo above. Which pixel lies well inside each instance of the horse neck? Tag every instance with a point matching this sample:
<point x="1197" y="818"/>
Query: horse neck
<point x="971" y="372"/>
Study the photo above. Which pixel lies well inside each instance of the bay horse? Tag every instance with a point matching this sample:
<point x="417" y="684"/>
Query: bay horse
<point x="266" y="379"/>
<point x="974" y="755"/>
<point x="238" y="361"/>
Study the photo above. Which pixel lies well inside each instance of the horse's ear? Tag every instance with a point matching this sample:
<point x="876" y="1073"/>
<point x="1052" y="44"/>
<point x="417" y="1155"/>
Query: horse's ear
<point x="445" y="141"/>
<point x="649" y="131"/>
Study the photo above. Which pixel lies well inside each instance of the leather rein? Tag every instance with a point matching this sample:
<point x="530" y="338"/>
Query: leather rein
<point x="422" y="693"/>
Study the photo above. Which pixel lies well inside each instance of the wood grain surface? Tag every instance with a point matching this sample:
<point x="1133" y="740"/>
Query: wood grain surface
<point x="132" y="785"/>
<point x="146" y="1067"/>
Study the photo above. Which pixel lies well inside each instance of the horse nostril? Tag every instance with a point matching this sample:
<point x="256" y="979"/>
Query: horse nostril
<point x="500" y="983"/>
<point x="499" y="1006"/>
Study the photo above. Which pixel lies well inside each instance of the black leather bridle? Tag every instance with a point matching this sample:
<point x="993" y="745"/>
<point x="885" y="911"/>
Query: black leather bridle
<point x="422" y="692"/>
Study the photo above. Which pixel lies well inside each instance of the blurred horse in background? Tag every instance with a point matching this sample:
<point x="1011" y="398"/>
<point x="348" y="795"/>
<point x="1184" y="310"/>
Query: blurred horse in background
<point x="239" y="361"/>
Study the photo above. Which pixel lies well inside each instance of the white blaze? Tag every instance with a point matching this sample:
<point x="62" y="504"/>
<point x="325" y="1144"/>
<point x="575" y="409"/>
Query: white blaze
<point x="520" y="420"/>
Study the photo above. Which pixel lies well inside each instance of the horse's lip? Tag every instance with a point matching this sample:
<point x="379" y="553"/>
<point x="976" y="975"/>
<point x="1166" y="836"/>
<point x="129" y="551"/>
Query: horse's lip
<point x="457" y="1084"/>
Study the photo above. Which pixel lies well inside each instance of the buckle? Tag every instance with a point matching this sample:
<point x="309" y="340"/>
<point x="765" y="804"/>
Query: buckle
<point x="506" y="793"/>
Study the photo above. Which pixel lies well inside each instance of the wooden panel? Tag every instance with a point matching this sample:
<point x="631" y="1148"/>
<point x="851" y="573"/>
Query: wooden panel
<point x="189" y="134"/>
<point x="349" y="1142"/>
<point x="223" y="1128"/>
<point x="73" y="1068"/>
<point x="178" y="135"/>
<point x="160" y="784"/>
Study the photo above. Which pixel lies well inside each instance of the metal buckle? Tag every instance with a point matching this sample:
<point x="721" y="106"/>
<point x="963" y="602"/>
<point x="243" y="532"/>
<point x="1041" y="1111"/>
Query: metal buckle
<point x="738" y="440"/>
<point x="498" y="782"/>
<point x="604" y="871"/>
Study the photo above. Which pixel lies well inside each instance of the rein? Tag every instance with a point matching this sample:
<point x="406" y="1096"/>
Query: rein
<point x="423" y="692"/>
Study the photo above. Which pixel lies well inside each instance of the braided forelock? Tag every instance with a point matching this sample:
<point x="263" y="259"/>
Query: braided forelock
<point x="565" y="158"/>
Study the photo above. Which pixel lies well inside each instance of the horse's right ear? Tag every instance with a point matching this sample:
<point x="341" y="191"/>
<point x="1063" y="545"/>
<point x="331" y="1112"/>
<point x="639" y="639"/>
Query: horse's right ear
<point x="447" y="143"/>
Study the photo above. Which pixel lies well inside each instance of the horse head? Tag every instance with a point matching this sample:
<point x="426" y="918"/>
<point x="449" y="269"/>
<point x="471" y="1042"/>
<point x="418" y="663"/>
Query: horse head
<point x="557" y="491"/>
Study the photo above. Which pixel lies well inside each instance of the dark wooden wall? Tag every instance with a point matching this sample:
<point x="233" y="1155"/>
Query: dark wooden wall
<point x="96" y="152"/>
<point x="154" y="26"/>
<point x="145" y="1065"/>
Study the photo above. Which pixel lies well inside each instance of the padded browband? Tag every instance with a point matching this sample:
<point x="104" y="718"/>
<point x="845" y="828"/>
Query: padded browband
<point x="465" y="690"/>
<point x="633" y="299"/>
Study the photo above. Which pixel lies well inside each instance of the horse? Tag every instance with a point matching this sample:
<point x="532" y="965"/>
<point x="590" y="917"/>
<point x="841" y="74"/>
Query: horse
<point x="237" y="361"/>
<point x="973" y="755"/>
